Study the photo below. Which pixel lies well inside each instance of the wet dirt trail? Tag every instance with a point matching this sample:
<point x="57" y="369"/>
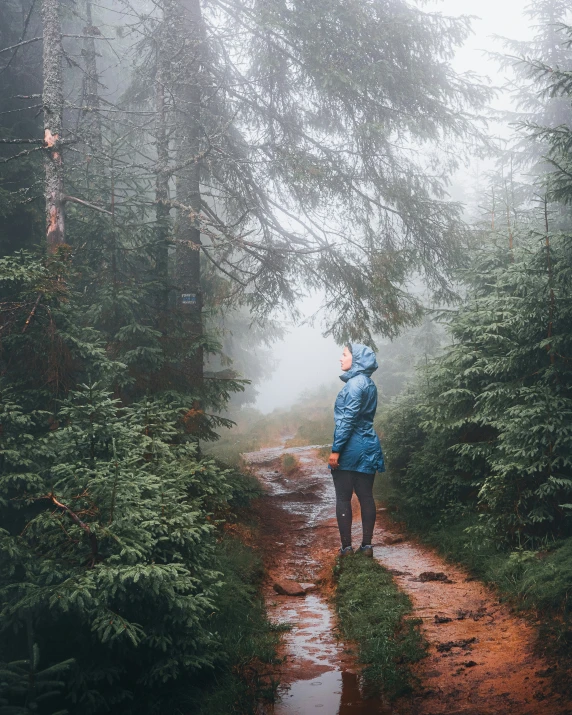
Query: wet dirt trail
<point x="480" y="658"/>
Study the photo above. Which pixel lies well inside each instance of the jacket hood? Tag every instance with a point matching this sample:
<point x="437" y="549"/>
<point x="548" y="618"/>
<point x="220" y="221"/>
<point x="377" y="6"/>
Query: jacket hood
<point x="363" y="362"/>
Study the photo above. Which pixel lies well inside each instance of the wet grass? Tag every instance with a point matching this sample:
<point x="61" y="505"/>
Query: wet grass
<point x="374" y="614"/>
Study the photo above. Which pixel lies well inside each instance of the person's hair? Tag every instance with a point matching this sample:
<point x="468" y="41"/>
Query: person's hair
<point x="349" y="347"/>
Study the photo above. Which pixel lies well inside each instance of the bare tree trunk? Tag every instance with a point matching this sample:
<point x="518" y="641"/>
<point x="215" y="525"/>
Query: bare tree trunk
<point x="53" y="121"/>
<point x="162" y="180"/>
<point x="91" y="118"/>
<point x="188" y="180"/>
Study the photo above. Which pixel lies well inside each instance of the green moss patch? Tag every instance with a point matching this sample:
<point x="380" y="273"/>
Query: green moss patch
<point x="373" y="613"/>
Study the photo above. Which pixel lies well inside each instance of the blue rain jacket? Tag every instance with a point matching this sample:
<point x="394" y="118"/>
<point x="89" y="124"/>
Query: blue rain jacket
<point x="354" y="410"/>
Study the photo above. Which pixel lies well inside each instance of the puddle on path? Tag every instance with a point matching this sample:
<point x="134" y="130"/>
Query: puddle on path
<point x="333" y="693"/>
<point x="297" y="518"/>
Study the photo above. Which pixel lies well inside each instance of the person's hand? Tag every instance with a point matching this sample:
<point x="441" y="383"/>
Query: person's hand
<point x="334" y="460"/>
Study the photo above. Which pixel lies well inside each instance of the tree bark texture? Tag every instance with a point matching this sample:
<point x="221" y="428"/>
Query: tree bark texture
<point x="189" y="133"/>
<point x="162" y="181"/>
<point x="53" y="121"/>
<point x="91" y="118"/>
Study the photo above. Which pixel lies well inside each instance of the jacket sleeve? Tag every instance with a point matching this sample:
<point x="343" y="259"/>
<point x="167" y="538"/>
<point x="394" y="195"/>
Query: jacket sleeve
<point x="351" y="409"/>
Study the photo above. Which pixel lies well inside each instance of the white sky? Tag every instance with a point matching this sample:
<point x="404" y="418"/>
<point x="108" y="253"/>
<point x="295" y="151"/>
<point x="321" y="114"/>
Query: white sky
<point x="305" y="359"/>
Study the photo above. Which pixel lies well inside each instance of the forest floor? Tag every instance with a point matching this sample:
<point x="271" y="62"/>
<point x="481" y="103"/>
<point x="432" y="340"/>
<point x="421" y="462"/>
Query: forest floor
<point x="480" y="660"/>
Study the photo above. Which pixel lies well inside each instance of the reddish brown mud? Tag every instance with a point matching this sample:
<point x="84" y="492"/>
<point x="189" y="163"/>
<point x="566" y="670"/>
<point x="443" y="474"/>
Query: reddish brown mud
<point x="480" y="659"/>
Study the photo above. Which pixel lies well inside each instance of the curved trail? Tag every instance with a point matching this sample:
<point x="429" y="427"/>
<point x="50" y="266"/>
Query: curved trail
<point x="480" y="659"/>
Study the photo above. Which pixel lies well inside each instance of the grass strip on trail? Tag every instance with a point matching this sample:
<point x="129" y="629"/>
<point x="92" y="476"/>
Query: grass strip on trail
<point x="372" y="613"/>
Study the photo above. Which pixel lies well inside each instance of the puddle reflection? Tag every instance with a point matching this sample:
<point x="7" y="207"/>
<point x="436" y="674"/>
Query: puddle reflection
<point x="332" y="693"/>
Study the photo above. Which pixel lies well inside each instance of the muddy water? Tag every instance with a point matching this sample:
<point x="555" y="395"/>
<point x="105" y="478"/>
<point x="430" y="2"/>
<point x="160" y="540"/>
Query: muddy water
<point x="318" y="674"/>
<point x="480" y="658"/>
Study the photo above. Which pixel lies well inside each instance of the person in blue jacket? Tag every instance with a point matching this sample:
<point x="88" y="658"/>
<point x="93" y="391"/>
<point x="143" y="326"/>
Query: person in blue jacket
<point x="356" y="451"/>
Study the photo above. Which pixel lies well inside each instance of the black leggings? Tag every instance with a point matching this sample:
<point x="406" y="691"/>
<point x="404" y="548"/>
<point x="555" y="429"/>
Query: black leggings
<point x="345" y="483"/>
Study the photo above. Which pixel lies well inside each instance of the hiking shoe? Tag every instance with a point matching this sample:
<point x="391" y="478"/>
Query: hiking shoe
<point x="348" y="551"/>
<point x="366" y="550"/>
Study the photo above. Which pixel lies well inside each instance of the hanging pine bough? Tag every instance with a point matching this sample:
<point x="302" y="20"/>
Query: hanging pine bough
<point x="295" y="149"/>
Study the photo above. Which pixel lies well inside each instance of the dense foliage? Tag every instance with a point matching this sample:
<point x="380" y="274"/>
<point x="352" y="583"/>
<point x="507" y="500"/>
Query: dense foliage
<point x="487" y="427"/>
<point x="489" y="423"/>
<point x="110" y="570"/>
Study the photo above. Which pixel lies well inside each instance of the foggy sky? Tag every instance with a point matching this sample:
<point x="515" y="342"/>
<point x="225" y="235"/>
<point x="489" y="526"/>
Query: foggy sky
<point x="305" y="359"/>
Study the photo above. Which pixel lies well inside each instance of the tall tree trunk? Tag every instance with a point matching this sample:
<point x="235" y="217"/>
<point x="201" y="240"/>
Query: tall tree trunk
<point x="91" y="118"/>
<point x="53" y="120"/>
<point x="188" y="107"/>
<point x="162" y="181"/>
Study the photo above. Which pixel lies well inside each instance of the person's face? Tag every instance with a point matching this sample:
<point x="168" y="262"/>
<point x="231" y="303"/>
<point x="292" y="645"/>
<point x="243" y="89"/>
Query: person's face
<point x="346" y="360"/>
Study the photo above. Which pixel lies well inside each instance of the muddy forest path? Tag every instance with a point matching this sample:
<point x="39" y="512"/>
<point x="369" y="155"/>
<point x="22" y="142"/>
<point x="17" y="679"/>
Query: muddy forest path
<point x="480" y="658"/>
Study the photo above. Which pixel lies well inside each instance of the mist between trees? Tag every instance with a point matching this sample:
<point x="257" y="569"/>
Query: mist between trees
<point x="173" y="176"/>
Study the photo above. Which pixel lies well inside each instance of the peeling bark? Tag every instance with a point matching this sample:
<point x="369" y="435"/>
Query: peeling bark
<point x="53" y="121"/>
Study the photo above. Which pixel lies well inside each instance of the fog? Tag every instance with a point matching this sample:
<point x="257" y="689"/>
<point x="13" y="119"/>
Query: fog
<point x="305" y="359"/>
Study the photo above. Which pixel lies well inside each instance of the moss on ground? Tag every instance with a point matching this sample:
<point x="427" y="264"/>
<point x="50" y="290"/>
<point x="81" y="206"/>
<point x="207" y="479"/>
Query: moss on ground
<point x="373" y="613"/>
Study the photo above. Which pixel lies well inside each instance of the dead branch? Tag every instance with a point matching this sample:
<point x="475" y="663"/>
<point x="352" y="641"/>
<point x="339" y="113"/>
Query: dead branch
<point x="32" y="313"/>
<point x="20" y="44"/>
<point x="75" y="518"/>
<point x="21" y="109"/>
<point x="90" y="37"/>
<point x="22" y="153"/>
<point x="87" y="204"/>
<point x="21" y="141"/>
<point x="24" y="31"/>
